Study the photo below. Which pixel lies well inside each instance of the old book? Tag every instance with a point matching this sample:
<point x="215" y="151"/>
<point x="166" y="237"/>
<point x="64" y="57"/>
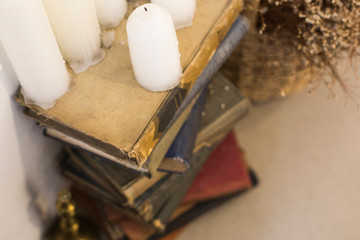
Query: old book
<point x="173" y="192"/>
<point x="124" y="185"/>
<point x="193" y="213"/>
<point x="236" y="33"/>
<point x="223" y="173"/>
<point x="110" y="112"/>
<point x="222" y="93"/>
<point x="150" y="207"/>
<point x="127" y="185"/>
<point x="217" y="122"/>
<point x="188" y="211"/>
<point x="178" y="157"/>
<point x="136" y="230"/>
<point x="84" y="180"/>
<point x="149" y="203"/>
<point x="150" y="222"/>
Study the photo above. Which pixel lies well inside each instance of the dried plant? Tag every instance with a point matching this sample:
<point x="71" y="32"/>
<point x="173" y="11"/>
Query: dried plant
<point x="323" y="31"/>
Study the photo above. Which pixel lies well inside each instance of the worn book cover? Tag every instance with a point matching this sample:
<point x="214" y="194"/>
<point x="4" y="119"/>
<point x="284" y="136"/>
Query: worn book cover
<point x="236" y="33"/>
<point x="188" y="211"/>
<point x="124" y="185"/>
<point x="193" y="213"/>
<point x="223" y="173"/>
<point x="127" y="185"/>
<point x="222" y="92"/>
<point x="178" y="157"/>
<point x="106" y="108"/>
<point x="156" y="205"/>
<point x="232" y="39"/>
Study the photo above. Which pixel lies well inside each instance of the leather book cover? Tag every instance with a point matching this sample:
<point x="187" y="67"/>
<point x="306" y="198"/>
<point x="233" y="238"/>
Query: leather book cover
<point x="109" y="111"/>
<point x="181" y="150"/>
<point x="236" y="33"/>
<point x="133" y="188"/>
<point x="160" y="205"/>
<point x="154" y="206"/>
<point x="184" y="213"/>
<point x="223" y="173"/>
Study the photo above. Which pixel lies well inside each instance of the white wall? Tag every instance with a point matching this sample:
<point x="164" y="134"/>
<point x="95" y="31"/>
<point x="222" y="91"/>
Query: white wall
<point x="29" y="179"/>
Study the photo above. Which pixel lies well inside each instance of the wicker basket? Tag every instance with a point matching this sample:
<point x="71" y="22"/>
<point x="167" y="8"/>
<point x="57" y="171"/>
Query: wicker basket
<point x="266" y="66"/>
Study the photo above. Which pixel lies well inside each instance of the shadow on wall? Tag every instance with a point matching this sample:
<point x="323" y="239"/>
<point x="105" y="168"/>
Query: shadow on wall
<point x="27" y="161"/>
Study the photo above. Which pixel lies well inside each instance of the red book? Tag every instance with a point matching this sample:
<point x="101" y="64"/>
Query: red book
<point x="224" y="172"/>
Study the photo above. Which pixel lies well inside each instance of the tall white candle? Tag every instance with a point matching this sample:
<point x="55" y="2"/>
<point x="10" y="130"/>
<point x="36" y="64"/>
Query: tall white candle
<point x="182" y="11"/>
<point x="77" y="31"/>
<point x="110" y="12"/>
<point x="32" y="49"/>
<point x="154" y="48"/>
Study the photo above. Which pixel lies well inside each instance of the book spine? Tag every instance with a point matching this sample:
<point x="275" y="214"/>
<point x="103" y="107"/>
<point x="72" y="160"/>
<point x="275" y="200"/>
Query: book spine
<point x="201" y="208"/>
<point x="192" y="214"/>
<point x="69" y="170"/>
<point x="191" y="73"/>
<point x="181" y="149"/>
<point x="162" y="217"/>
<point x="84" y="169"/>
<point x="237" y="31"/>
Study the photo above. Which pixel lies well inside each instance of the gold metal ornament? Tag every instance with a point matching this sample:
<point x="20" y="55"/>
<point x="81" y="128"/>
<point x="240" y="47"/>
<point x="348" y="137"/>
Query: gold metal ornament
<point x="68" y="226"/>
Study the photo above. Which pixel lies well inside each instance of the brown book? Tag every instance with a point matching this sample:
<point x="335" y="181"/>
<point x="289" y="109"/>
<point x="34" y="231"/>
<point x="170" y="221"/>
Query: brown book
<point x="108" y="111"/>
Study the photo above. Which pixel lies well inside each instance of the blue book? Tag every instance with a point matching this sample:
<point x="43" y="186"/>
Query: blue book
<point x="177" y="159"/>
<point x="179" y="153"/>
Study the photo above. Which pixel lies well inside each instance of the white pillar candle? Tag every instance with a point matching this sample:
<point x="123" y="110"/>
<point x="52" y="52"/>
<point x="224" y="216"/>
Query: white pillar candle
<point x="31" y="47"/>
<point x="154" y="48"/>
<point x="77" y="31"/>
<point x="181" y="11"/>
<point x="110" y="12"/>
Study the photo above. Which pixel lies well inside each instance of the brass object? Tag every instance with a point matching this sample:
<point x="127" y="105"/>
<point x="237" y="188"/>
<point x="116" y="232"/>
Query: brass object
<point x="68" y="226"/>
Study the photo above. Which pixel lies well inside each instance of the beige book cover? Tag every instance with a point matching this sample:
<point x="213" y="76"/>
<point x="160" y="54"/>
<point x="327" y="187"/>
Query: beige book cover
<point x="108" y="110"/>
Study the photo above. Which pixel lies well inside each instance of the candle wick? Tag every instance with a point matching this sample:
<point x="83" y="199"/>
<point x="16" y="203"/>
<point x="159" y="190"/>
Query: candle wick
<point x="145" y="8"/>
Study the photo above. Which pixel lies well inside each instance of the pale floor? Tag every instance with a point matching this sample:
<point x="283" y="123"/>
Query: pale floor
<point x="306" y="152"/>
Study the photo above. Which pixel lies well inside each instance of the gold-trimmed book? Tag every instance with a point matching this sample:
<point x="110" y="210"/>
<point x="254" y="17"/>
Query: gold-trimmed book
<point x="223" y="109"/>
<point x="107" y="109"/>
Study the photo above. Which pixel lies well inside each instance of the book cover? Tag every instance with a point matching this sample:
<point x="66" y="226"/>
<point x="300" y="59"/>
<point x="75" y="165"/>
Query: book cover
<point x="109" y="111"/>
<point x="83" y="180"/>
<point x="188" y="211"/>
<point x="236" y="33"/>
<point x="183" y="215"/>
<point x="198" y="210"/>
<point x="232" y="39"/>
<point x="127" y="184"/>
<point x="164" y="202"/>
<point x="139" y="228"/>
<point x="223" y="173"/>
<point x="135" y="188"/>
<point x="178" y="157"/>
<point x="219" y="120"/>
<point x="147" y="206"/>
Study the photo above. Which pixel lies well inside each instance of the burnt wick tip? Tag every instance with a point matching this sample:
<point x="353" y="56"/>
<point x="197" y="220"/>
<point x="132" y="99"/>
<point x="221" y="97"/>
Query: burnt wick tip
<point x="145" y="8"/>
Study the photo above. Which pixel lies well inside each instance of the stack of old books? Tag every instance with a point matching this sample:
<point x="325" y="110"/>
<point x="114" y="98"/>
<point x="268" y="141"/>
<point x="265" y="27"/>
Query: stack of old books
<point x="154" y="161"/>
